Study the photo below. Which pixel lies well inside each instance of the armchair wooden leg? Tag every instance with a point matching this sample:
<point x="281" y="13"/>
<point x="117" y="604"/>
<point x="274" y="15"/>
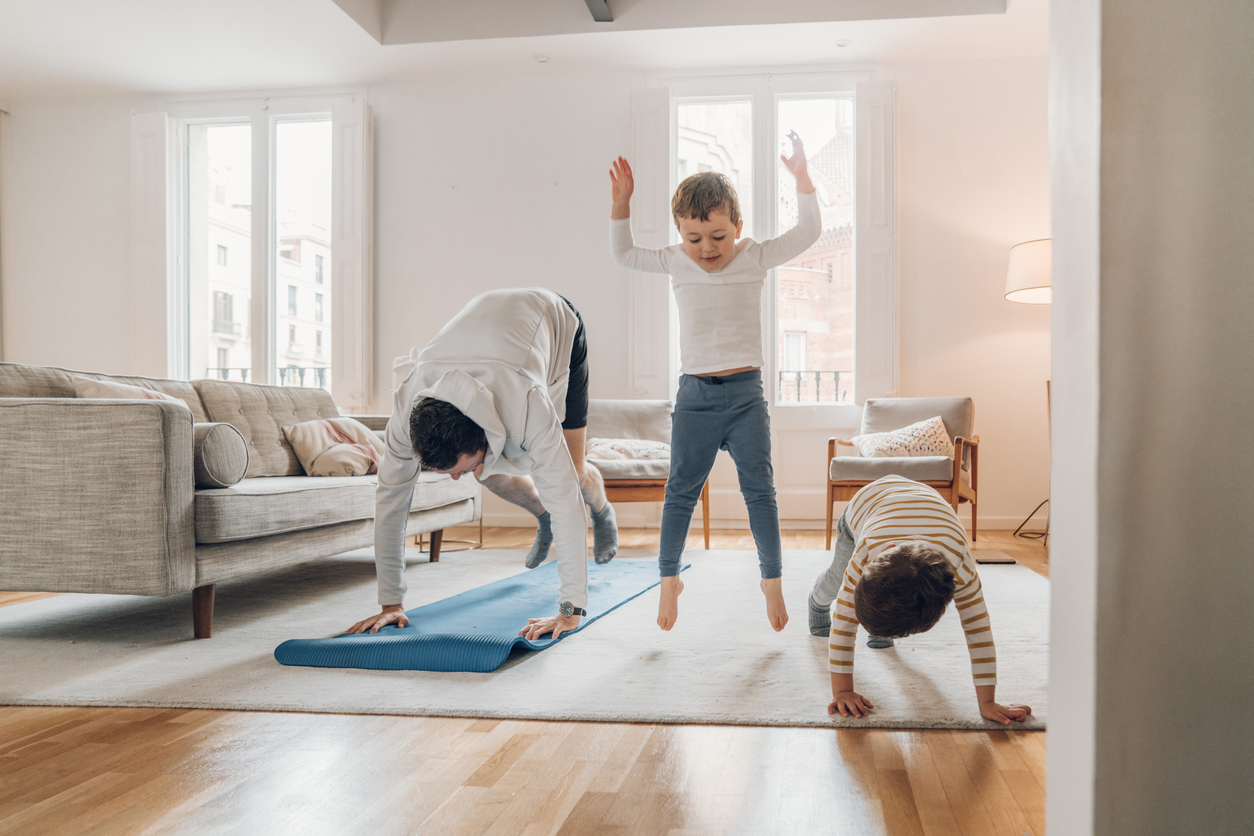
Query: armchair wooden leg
<point x="202" y="611"/>
<point x="705" y="513"/>
<point x="973" y="522"/>
<point x="830" y="503"/>
<point x="437" y="537"/>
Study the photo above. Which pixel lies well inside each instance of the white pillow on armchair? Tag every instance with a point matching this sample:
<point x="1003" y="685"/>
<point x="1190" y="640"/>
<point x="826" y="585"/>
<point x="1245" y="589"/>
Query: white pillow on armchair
<point x="925" y="438"/>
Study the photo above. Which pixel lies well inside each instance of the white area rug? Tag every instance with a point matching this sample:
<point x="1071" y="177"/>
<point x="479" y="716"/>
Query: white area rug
<point x="721" y="664"/>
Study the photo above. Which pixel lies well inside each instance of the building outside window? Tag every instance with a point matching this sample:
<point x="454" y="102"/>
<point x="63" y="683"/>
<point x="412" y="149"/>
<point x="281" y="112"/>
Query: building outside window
<point x="318" y="269"/>
<point x="317" y="344"/>
<point x="318" y="307"/>
<point x="221" y="255"/>
<point x="291" y="300"/>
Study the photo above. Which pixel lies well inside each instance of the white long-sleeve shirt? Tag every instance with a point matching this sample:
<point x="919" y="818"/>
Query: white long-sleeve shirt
<point x="720" y="312"/>
<point x="895" y="510"/>
<point x="504" y="361"/>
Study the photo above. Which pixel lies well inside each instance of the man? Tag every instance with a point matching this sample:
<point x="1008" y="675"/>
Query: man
<point x="501" y="392"/>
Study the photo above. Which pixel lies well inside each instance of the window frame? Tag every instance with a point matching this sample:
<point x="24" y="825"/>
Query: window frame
<point x="875" y="326"/>
<point x="160" y="233"/>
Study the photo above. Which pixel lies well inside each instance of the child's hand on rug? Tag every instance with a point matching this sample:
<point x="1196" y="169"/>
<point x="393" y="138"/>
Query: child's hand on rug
<point x="1004" y="713"/>
<point x="850" y="704"/>
<point x="394" y="614"/>
<point x="555" y="624"/>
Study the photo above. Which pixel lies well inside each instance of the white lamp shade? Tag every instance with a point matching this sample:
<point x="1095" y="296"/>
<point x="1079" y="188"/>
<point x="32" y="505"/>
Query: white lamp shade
<point x="1028" y="276"/>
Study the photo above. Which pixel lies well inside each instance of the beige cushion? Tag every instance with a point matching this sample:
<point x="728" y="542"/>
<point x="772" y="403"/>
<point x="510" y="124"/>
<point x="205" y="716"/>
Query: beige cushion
<point x="633" y="468"/>
<point x="260" y="413"/>
<point x="630" y="419"/>
<point x="924" y="438"/>
<point x="629" y="458"/>
<point x="919" y="468"/>
<point x="18" y="380"/>
<point x="85" y="387"/>
<point x="220" y="455"/>
<point x="884" y="414"/>
<point x="335" y="447"/>
<point x="258" y="507"/>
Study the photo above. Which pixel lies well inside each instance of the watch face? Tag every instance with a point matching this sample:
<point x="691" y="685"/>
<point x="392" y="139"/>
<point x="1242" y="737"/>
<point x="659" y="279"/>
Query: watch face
<point x="567" y="608"/>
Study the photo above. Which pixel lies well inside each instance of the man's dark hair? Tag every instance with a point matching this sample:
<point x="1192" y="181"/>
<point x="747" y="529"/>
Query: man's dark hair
<point x="904" y="591"/>
<point x="441" y="433"/>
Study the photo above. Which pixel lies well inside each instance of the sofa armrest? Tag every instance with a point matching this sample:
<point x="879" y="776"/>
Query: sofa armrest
<point x="374" y="422"/>
<point x="97" y="496"/>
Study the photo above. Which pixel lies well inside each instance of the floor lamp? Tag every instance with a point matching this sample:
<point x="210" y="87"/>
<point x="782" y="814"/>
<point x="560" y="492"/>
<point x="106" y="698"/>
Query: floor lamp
<point x="1028" y="281"/>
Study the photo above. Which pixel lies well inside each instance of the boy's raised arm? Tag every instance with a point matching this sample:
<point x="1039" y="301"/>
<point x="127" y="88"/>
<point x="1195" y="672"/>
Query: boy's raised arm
<point x="797" y="240"/>
<point x="622" y="245"/>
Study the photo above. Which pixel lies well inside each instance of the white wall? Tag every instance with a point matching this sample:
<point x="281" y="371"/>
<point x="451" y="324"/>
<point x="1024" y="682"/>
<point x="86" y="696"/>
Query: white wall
<point x="502" y="182"/>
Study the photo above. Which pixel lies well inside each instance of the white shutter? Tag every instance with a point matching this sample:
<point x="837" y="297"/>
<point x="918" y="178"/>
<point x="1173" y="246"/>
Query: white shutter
<point x="4" y="214"/>
<point x="352" y="256"/>
<point x="650" y="326"/>
<point x="154" y="308"/>
<point x="875" y="242"/>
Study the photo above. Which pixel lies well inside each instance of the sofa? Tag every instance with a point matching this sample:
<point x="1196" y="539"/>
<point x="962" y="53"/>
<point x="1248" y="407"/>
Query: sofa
<point x="145" y="497"/>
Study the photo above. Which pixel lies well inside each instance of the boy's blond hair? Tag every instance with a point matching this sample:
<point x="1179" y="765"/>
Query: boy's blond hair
<point x="904" y="591"/>
<point x="701" y="194"/>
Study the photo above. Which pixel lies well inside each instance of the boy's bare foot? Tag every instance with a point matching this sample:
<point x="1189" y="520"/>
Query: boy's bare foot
<point x="668" y="606"/>
<point x="776" y="612"/>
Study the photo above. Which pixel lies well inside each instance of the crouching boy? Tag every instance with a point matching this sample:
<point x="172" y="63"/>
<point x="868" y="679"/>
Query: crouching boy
<point x="901" y="556"/>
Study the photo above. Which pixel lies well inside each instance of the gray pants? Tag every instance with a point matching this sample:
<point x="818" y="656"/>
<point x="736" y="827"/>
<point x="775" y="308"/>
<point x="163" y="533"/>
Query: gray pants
<point x="828" y="584"/>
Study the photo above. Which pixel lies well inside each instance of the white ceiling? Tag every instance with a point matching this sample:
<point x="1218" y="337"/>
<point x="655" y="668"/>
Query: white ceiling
<point x="87" y="47"/>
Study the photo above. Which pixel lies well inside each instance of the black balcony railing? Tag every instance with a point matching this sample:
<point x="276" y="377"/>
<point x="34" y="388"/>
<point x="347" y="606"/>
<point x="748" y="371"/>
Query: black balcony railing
<point x="311" y="376"/>
<point x="815" y="386"/>
<point x="228" y="374"/>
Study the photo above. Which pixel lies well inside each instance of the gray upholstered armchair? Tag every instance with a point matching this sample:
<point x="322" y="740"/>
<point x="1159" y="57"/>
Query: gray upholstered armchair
<point x="637" y="480"/>
<point x="956" y="479"/>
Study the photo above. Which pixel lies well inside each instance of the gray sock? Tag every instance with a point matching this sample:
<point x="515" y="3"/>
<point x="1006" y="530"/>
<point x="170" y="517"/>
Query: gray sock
<point x="820" y="619"/>
<point x="544" y="541"/>
<point x="878" y="643"/>
<point x="604" y="534"/>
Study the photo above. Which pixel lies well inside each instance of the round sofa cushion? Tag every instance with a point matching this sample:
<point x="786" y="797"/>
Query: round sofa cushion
<point x="220" y="455"/>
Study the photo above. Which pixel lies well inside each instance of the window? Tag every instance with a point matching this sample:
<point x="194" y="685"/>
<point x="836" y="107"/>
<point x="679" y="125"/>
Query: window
<point x="831" y="312"/>
<point x="224" y="361"/>
<point x="317" y="343"/>
<point x="292" y="346"/>
<point x="814" y="310"/>
<point x="223" y="313"/>
<point x="318" y="308"/>
<point x="286" y="233"/>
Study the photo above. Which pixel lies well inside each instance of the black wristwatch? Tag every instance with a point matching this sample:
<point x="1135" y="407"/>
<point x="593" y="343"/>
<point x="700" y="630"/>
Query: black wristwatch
<point x="567" y="609"/>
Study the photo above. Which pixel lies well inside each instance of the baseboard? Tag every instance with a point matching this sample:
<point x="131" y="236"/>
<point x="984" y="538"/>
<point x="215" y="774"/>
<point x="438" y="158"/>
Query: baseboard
<point x="629" y="520"/>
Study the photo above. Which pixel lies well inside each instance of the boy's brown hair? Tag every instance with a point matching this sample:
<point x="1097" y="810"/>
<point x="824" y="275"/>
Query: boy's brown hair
<point x="904" y="591"/>
<point x="701" y="194"/>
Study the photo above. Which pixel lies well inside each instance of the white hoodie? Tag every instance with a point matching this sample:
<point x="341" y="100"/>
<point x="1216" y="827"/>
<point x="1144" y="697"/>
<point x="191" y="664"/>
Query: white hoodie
<point x="504" y="361"/>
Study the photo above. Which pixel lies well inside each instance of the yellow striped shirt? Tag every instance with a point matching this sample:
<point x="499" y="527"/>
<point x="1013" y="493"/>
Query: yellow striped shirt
<point x="896" y="510"/>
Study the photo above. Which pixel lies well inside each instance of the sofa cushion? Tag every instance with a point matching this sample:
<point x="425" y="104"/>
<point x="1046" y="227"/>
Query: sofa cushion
<point x="632" y="468"/>
<point x="924" y="438"/>
<point x="630" y="419"/>
<point x="919" y="468"/>
<point x="86" y="387"/>
<point x="260" y="507"/>
<point x="18" y="380"/>
<point x="260" y="413"/>
<point x="220" y="455"/>
<point x="335" y="447"/>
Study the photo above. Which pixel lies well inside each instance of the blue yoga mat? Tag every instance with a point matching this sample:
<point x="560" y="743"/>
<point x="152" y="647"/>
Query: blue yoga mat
<point x="476" y="630"/>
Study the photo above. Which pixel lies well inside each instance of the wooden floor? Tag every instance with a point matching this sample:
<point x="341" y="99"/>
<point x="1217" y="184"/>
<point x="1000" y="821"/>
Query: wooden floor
<point x="130" y="770"/>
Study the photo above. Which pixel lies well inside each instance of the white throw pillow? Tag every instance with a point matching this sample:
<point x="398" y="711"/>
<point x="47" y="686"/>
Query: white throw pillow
<point x="85" y="387"/>
<point x="926" y="438"/>
<point x="335" y="447"/>
<point x="610" y="449"/>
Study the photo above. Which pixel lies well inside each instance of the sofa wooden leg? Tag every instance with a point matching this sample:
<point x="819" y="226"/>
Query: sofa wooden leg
<point x="437" y="537"/>
<point x="202" y="611"/>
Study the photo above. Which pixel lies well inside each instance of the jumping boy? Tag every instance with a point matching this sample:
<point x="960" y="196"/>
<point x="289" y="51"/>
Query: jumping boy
<point x="901" y="556"/>
<point x="720" y="405"/>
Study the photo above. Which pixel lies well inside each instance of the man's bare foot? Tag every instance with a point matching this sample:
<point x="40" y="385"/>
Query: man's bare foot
<point x="776" y="612"/>
<point x="668" y="605"/>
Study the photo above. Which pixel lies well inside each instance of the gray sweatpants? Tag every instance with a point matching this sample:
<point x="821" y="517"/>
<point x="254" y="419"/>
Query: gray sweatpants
<point x="828" y="584"/>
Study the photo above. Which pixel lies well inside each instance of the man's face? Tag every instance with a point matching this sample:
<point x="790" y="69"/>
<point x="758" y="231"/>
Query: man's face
<point x="465" y="464"/>
<point x="710" y="243"/>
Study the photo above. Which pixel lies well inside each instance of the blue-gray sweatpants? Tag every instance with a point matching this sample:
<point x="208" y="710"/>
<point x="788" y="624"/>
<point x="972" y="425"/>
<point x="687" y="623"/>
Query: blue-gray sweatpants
<point x="711" y="414"/>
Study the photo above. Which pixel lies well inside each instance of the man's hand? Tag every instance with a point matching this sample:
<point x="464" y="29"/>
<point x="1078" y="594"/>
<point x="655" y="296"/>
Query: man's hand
<point x="797" y="164"/>
<point x="1004" y="713"/>
<point x="555" y="624"/>
<point x="394" y="614"/>
<point x="849" y="704"/>
<point x="622" y="184"/>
